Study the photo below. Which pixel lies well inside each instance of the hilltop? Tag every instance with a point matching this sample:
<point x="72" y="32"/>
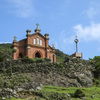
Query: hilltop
<point x="66" y="72"/>
<point x="25" y="75"/>
<point x="6" y="45"/>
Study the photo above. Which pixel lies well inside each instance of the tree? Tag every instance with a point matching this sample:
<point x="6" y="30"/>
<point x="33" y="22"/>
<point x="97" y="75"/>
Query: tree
<point x="96" y="71"/>
<point x="6" y="54"/>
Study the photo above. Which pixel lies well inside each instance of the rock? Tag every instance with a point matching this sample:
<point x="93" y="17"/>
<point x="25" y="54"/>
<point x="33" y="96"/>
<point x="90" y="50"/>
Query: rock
<point x="8" y="93"/>
<point x="92" y="96"/>
<point x="3" y="98"/>
<point x="31" y="89"/>
<point x="72" y="74"/>
<point x="39" y="87"/>
<point x="83" y="98"/>
<point x="68" y="95"/>
<point x="20" y="89"/>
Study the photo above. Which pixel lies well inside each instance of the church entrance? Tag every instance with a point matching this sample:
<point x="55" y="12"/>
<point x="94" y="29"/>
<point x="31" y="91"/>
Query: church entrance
<point x="20" y="55"/>
<point x="37" y="55"/>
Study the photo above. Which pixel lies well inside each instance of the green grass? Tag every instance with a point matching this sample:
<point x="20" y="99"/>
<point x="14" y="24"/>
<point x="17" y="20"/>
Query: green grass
<point x="88" y="91"/>
<point x="14" y="99"/>
<point x="52" y="89"/>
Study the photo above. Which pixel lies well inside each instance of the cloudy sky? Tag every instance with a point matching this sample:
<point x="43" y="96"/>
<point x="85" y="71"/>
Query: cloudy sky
<point x="62" y="19"/>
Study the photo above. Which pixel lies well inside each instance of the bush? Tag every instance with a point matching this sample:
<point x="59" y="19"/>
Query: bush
<point x="39" y="60"/>
<point x="79" y="93"/>
<point x="96" y="82"/>
<point x="26" y="56"/>
<point x="28" y="60"/>
<point x="47" y="59"/>
<point x="66" y="59"/>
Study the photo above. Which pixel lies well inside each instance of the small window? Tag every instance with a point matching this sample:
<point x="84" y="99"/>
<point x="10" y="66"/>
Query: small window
<point x="40" y="42"/>
<point x="34" y="41"/>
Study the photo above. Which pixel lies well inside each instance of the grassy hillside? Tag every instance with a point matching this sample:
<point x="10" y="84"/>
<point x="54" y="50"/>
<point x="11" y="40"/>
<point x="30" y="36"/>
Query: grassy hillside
<point x="60" y="56"/>
<point x="7" y="45"/>
<point x="50" y="92"/>
<point x="60" y="92"/>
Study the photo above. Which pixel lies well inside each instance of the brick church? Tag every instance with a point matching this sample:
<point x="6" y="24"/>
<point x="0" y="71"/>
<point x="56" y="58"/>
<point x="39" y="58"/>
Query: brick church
<point x="34" y="46"/>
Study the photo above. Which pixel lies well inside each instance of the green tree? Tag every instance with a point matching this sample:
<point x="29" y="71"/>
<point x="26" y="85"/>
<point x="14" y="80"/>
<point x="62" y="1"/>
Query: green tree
<point x="6" y="54"/>
<point x="96" y="62"/>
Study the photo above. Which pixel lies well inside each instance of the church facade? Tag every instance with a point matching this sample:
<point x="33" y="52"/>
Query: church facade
<point x="34" y="46"/>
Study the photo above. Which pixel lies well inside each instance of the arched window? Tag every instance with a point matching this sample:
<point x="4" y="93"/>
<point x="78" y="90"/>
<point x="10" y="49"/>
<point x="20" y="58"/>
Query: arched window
<point x="34" y="41"/>
<point x="40" y="42"/>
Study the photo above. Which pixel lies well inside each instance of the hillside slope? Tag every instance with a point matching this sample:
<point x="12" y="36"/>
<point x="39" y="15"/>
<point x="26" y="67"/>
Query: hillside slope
<point x="74" y="72"/>
<point x="30" y="76"/>
<point x="6" y="45"/>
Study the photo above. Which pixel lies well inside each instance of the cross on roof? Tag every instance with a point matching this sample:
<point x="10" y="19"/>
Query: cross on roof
<point x="37" y="24"/>
<point x="15" y="37"/>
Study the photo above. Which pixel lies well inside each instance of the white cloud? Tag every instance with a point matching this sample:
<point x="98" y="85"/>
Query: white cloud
<point x="88" y="33"/>
<point x="22" y="8"/>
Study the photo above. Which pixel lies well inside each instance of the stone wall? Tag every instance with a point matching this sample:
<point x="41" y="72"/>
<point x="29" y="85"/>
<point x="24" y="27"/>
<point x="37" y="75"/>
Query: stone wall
<point x="72" y="73"/>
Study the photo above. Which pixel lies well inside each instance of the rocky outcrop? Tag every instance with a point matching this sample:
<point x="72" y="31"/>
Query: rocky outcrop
<point x="72" y="73"/>
<point x="8" y="93"/>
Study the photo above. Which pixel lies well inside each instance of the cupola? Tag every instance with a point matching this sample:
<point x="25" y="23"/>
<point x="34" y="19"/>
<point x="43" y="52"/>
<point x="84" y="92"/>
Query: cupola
<point x="37" y="30"/>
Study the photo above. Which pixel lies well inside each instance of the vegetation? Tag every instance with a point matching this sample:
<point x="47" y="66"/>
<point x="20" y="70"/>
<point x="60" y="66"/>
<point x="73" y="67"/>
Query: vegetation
<point x="49" y="92"/>
<point x="7" y="45"/>
<point x="96" y="70"/>
<point x="60" y="93"/>
<point x="79" y="93"/>
<point x="72" y="90"/>
<point x="96" y="62"/>
<point x="60" y="56"/>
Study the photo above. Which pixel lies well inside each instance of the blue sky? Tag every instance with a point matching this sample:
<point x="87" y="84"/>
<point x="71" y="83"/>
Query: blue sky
<point x="62" y="19"/>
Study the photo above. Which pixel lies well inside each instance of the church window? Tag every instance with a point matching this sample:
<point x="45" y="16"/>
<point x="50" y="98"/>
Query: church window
<point x="40" y="42"/>
<point x="34" y="41"/>
<point x="37" y="36"/>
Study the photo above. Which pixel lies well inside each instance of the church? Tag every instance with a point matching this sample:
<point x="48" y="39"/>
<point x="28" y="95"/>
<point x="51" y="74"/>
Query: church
<point x="34" y="46"/>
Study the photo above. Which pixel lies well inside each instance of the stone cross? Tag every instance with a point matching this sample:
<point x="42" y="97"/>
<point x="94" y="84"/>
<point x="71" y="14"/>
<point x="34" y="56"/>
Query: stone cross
<point x="37" y="24"/>
<point x="53" y="45"/>
<point x="76" y="36"/>
<point x="76" y="41"/>
<point x="15" y="38"/>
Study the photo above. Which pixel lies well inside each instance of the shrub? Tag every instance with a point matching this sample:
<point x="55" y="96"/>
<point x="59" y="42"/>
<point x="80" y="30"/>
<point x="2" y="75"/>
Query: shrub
<point x="39" y="60"/>
<point x="79" y="93"/>
<point x="96" y="82"/>
<point x="26" y="56"/>
<point x="47" y="59"/>
<point x="28" y="60"/>
<point x="66" y="59"/>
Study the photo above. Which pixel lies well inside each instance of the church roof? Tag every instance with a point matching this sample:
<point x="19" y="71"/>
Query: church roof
<point x="38" y="34"/>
